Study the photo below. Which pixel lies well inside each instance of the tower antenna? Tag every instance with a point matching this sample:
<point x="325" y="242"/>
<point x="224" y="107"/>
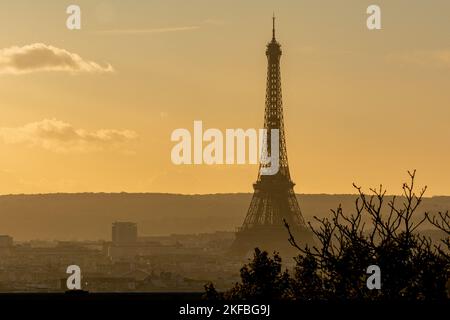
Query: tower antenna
<point x="273" y="26"/>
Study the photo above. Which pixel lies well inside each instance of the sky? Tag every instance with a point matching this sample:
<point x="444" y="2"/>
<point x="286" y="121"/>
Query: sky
<point x="92" y="110"/>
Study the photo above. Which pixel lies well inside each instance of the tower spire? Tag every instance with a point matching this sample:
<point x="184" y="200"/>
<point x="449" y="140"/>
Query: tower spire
<point x="273" y="26"/>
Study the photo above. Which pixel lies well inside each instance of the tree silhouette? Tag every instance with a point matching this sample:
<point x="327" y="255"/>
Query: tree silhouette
<point x="262" y="278"/>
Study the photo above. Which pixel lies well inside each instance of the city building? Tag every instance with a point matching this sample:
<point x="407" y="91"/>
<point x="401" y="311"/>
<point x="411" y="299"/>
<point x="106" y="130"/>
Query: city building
<point x="124" y="233"/>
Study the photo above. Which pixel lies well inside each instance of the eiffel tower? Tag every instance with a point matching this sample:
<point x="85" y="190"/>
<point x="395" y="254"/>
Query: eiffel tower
<point x="273" y="199"/>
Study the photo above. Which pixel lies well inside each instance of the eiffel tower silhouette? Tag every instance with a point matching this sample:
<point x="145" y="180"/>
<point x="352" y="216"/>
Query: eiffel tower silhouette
<point x="273" y="200"/>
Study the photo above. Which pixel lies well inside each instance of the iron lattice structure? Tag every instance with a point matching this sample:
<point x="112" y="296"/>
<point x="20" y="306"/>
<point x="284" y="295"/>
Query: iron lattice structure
<point x="273" y="199"/>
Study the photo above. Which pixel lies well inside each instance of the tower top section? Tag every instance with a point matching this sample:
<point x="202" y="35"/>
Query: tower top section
<point x="273" y="47"/>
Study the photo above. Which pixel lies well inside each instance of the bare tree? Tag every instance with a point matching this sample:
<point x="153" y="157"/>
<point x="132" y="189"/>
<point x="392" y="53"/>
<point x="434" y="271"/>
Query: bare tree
<point x="412" y="267"/>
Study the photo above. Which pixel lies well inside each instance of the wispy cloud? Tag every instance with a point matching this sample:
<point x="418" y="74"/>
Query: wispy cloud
<point x="214" y="21"/>
<point x="146" y="31"/>
<point x="41" y="57"/>
<point x="131" y="31"/>
<point x="59" y="136"/>
<point x="430" y="58"/>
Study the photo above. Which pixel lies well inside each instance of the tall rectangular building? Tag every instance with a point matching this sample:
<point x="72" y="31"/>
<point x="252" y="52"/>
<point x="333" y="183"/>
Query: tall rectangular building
<point x="124" y="233"/>
<point x="6" y="241"/>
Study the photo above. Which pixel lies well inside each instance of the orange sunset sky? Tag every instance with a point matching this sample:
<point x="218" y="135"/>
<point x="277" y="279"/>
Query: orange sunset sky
<point x="92" y="110"/>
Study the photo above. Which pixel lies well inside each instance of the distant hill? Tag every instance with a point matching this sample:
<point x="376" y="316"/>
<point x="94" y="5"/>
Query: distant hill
<point x="85" y="216"/>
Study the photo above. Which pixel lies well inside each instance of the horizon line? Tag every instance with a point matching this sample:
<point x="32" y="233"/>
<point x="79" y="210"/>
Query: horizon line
<point x="194" y="194"/>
